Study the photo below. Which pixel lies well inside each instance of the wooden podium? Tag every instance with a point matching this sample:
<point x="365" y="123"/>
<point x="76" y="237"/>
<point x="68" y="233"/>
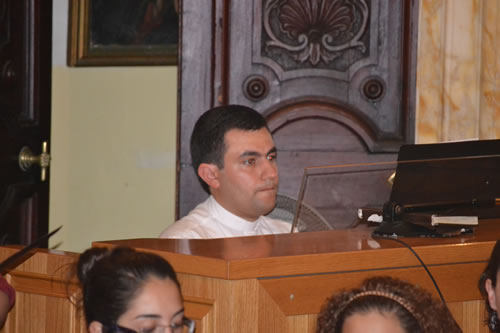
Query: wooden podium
<point x="278" y="283"/>
<point x="274" y="283"/>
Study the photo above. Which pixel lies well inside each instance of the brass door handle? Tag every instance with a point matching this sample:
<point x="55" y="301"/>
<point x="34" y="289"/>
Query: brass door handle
<point x="27" y="159"/>
<point x="391" y="178"/>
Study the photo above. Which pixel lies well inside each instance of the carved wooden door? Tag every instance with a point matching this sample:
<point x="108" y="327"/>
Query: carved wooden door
<point x="334" y="78"/>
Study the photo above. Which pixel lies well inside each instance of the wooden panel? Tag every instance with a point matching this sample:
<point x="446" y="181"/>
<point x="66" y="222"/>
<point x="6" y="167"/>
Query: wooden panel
<point x="271" y="318"/>
<point x="358" y="72"/>
<point x="299" y="324"/>
<point x="295" y="296"/>
<point x="200" y="38"/>
<point x="201" y="311"/>
<point x="244" y="297"/>
<point x="185" y="263"/>
<point x="228" y="313"/>
<point x="44" y="286"/>
<point x="469" y="316"/>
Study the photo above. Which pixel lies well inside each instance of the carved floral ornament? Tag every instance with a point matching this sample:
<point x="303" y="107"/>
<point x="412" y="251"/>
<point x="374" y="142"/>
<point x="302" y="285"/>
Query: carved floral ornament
<point x="315" y="30"/>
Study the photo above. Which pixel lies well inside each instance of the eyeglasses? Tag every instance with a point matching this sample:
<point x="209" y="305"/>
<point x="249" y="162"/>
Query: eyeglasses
<point x="187" y="326"/>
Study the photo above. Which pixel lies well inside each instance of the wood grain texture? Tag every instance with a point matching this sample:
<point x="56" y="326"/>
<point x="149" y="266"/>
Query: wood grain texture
<point x="314" y="252"/>
<point x="306" y="294"/>
<point x="469" y="316"/>
<point x="43" y="286"/>
<point x="271" y="318"/>
<point x="299" y="324"/>
<point x="201" y="311"/>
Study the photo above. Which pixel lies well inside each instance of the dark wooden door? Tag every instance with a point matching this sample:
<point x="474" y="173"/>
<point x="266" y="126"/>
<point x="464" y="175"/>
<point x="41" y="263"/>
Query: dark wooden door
<point x="334" y="78"/>
<point x="25" y="89"/>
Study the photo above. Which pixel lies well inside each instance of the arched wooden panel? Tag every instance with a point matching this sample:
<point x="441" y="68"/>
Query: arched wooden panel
<point x="318" y="134"/>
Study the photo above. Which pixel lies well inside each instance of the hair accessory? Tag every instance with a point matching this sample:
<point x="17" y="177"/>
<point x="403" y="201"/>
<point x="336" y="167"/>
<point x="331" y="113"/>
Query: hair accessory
<point x="493" y="321"/>
<point x="400" y="300"/>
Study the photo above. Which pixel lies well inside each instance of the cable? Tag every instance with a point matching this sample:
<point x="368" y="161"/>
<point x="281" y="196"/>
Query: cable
<point x="421" y="262"/>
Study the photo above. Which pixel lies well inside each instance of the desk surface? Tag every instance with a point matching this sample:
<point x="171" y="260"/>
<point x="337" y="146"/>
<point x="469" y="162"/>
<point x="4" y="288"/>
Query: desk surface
<point x="314" y="252"/>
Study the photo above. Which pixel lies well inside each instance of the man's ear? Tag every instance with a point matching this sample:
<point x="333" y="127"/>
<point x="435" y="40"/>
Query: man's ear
<point x="492" y="298"/>
<point x="95" y="327"/>
<point x="210" y="174"/>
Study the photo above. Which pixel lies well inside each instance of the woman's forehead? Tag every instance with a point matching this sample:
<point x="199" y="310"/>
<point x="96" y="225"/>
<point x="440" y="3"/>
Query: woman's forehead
<point x="156" y="297"/>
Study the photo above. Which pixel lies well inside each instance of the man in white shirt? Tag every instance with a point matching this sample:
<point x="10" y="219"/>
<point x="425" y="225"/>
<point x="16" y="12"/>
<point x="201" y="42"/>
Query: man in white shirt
<point x="234" y="156"/>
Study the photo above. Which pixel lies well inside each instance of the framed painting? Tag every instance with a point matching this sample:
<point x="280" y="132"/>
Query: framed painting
<point x="123" y="32"/>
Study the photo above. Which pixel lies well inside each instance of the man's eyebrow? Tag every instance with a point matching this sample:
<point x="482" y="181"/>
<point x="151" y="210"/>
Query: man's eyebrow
<point x="272" y="150"/>
<point x="250" y="153"/>
<point x="256" y="153"/>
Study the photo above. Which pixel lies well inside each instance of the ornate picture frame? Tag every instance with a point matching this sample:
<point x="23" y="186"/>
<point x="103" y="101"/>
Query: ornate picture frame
<point x="123" y="32"/>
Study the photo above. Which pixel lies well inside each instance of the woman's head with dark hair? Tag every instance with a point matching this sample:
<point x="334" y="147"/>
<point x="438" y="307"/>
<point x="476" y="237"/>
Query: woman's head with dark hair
<point x="386" y="304"/>
<point x="489" y="290"/>
<point x="120" y="283"/>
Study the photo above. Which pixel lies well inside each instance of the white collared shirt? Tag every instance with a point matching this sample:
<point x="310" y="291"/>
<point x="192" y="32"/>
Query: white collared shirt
<point x="210" y="220"/>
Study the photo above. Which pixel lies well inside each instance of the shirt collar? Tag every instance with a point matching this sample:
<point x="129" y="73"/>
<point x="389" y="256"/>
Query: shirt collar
<point x="230" y="220"/>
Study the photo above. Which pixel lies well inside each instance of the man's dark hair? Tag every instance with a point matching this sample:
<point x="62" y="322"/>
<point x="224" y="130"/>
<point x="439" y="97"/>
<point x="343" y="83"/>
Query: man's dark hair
<point x="207" y="140"/>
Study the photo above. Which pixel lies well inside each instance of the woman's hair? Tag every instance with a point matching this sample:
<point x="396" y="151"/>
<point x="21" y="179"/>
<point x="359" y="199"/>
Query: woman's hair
<point x="491" y="272"/>
<point x="111" y="278"/>
<point x="416" y="310"/>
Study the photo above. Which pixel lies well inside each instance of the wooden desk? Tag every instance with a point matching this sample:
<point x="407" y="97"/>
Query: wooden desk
<point x="278" y="283"/>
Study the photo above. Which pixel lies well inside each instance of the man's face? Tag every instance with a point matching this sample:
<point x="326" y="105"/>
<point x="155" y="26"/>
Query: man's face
<point x="248" y="183"/>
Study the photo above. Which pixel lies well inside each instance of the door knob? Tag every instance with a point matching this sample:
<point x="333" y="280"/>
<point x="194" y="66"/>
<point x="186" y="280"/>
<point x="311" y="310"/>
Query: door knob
<point x="27" y="159"/>
<point x="391" y="178"/>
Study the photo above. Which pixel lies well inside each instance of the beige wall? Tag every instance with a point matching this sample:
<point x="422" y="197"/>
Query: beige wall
<point x="113" y="149"/>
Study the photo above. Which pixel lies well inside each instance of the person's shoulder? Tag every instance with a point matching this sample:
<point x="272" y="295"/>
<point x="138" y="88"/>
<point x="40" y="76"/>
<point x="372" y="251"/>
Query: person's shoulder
<point x="186" y="227"/>
<point x="191" y="226"/>
<point x="181" y="229"/>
